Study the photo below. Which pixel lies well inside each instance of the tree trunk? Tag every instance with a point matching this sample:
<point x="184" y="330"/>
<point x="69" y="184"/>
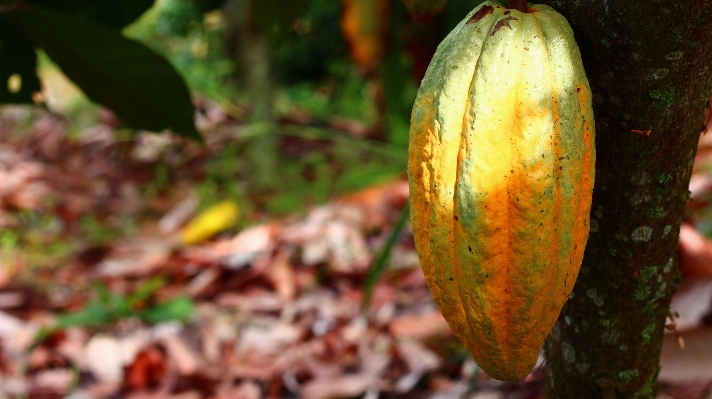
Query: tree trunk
<point x="648" y="62"/>
<point x="248" y="47"/>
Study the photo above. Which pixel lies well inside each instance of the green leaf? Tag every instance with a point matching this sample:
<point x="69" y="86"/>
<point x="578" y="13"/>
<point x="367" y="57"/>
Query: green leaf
<point x="18" y="63"/>
<point x="179" y="308"/>
<point x="104" y="297"/>
<point x="121" y="74"/>
<point x="114" y="14"/>
<point x="144" y="291"/>
<point x="94" y="314"/>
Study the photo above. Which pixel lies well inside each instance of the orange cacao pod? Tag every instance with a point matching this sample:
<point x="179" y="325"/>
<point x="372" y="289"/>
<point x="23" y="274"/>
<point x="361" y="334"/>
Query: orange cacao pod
<point x="501" y="171"/>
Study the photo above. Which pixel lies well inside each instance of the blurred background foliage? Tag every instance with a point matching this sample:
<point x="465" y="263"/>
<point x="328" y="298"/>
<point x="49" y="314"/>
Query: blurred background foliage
<point x="310" y="59"/>
<point x="319" y="86"/>
<point x="317" y="94"/>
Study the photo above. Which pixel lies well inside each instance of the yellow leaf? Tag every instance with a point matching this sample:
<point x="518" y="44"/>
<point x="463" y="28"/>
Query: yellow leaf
<point x="210" y="222"/>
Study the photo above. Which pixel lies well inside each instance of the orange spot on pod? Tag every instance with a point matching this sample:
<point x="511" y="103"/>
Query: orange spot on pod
<point x="644" y="133"/>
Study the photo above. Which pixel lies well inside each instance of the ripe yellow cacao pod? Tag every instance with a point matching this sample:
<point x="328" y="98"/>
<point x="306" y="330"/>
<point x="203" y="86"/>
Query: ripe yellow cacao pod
<point x="501" y="171"/>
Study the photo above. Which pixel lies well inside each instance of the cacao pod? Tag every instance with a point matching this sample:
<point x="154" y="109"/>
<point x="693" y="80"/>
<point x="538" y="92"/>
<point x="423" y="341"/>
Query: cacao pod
<point x="501" y="170"/>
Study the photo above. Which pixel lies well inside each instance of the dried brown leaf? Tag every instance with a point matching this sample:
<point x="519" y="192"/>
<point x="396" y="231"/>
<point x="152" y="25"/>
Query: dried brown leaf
<point x="245" y="247"/>
<point x="30" y="196"/>
<point x="164" y="395"/>
<point x="244" y="390"/>
<point x="694" y="363"/>
<point x="179" y="353"/>
<point x="700" y="184"/>
<point x="136" y="257"/>
<point x="203" y="283"/>
<point x="54" y="380"/>
<point x="16" y="335"/>
<point x="281" y="275"/>
<point x="179" y="214"/>
<point x="376" y="204"/>
<point x="420" y="326"/>
<point x="695" y="252"/>
<point x="148" y="370"/>
<point x="250" y="370"/>
<point x="417" y="356"/>
<point x="294" y="357"/>
<point x="269" y="339"/>
<point x="692" y="302"/>
<point x="104" y="358"/>
<point x="344" y="386"/>
<point x="255" y="302"/>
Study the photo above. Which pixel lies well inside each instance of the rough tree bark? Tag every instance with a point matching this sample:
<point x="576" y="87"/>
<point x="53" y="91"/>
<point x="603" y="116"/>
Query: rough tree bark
<point x="649" y="64"/>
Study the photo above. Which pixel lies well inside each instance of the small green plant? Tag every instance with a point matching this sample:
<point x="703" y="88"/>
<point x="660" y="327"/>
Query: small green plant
<point x="9" y="240"/>
<point x="108" y="308"/>
<point x="98" y="232"/>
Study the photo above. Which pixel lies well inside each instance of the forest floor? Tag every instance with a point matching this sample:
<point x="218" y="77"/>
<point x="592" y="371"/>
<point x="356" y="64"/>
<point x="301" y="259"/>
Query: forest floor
<point x="99" y="298"/>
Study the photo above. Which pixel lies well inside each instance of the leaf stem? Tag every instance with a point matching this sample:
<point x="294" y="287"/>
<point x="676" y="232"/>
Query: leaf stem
<point x="381" y="262"/>
<point x="520" y="5"/>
